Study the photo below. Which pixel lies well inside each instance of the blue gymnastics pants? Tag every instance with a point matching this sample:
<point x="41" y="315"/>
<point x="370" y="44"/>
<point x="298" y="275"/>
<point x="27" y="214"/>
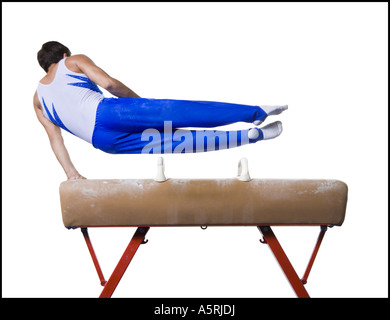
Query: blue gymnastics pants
<point x="141" y="125"/>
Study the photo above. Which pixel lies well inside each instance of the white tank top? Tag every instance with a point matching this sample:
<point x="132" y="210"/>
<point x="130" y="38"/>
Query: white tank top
<point x="70" y="101"/>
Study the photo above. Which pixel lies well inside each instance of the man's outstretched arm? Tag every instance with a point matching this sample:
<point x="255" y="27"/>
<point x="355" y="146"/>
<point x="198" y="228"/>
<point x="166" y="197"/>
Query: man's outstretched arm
<point x="101" y="78"/>
<point x="56" y="142"/>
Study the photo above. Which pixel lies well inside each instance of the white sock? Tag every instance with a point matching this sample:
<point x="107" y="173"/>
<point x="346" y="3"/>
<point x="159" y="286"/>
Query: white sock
<point x="271" y="111"/>
<point x="270" y="131"/>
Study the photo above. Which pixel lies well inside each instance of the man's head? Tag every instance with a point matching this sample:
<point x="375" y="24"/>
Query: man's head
<point x="51" y="52"/>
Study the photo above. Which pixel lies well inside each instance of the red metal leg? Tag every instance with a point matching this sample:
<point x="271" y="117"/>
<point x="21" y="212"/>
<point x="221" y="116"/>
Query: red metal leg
<point x="93" y="255"/>
<point x="124" y="262"/>
<point x="314" y="254"/>
<point x="286" y="265"/>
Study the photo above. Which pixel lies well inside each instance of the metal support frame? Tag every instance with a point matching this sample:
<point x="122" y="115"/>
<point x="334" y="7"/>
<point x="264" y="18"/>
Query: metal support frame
<point x="268" y="238"/>
<point x="296" y="283"/>
<point x="93" y="255"/>
<point x="314" y="254"/>
<point x="110" y="285"/>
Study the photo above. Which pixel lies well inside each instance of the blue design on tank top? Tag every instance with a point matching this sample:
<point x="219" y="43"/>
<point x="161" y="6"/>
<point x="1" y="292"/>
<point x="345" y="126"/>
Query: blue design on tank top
<point x="86" y="84"/>
<point x="56" y="120"/>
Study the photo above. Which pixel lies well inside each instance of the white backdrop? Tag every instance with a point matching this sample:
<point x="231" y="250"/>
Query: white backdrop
<point x="327" y="61"/>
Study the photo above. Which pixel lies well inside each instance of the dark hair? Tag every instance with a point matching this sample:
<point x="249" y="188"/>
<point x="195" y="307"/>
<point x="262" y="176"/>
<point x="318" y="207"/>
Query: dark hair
<point x="51" y="52"/>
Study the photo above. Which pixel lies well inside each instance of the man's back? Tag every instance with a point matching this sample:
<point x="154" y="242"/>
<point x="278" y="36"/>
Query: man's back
<point x="70" y="100"/>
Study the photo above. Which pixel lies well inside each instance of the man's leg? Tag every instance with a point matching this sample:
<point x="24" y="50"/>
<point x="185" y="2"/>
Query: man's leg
<point x="172" y="140"/>
<point x="138" y="114"/>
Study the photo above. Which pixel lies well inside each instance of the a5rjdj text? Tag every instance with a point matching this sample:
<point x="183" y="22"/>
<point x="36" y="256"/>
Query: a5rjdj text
<point x="209" y="309"/>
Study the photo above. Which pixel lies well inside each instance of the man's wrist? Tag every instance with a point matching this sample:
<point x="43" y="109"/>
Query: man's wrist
<point x="71" y="173"/>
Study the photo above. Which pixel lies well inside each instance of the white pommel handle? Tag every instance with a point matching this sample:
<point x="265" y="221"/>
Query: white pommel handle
<point x="243" y="170"/>
<point x="160" y="177"/>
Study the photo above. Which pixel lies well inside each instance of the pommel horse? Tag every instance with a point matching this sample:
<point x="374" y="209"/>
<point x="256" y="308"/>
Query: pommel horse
<point x="239" y="201"/>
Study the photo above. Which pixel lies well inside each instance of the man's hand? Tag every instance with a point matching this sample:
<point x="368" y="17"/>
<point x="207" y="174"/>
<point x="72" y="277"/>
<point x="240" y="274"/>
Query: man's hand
<point x="75" y="176"/>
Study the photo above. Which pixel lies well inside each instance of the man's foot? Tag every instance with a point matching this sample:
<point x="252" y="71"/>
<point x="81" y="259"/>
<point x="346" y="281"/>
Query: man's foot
<point x="270" y="131"/>
<point x="271" y="111"/>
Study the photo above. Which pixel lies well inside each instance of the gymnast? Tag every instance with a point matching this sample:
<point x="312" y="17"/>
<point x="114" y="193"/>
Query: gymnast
<point x="68" y="97"/>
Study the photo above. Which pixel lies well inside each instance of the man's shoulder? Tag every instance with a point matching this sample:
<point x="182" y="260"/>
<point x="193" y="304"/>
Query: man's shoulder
<point x="75" y="62"/>
<point x="77" y="57"/>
